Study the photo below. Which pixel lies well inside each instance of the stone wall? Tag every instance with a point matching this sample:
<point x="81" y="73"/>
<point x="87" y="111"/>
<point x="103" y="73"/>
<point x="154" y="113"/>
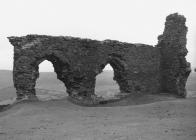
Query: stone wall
<point x="174" y="68"/>
<point x="138" y="68"/>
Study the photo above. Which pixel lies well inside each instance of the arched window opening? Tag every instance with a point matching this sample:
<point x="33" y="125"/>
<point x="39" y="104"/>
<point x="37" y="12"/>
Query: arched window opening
<point x="47" y="85"/>
<point x="105" y="86"/>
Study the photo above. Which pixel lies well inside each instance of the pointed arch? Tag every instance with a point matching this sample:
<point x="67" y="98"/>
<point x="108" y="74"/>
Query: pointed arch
<point x="47" y="85"/>
<point x="105" y="85"/>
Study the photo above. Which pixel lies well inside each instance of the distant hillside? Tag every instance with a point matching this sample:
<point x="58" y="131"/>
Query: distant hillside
<point x="49" y="81"/>
<point x="191" y="82"/>
<point x="5" y="78"/>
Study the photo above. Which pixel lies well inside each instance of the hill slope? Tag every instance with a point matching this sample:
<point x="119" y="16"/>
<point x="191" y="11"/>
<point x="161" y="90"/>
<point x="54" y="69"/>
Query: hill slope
<point x="137" y="118"/>
<point x="62" y="120"/>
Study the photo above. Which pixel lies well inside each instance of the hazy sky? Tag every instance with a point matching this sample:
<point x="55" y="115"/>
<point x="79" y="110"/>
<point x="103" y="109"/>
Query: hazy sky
<point x="134" y="21"/>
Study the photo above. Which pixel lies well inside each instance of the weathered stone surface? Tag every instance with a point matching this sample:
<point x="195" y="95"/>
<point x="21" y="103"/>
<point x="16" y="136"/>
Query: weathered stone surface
<point x="174" y="68"/>
<point x="138" y="68"/>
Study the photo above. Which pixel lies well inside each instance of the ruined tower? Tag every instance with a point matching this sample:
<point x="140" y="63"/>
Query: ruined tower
<point x="174" y="68"/>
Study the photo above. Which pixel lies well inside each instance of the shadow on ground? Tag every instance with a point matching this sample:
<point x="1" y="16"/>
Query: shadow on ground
<point x="131" y="100"/>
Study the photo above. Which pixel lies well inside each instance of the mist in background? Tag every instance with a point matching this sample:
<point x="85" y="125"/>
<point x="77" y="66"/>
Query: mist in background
<point x="134" y="21"/>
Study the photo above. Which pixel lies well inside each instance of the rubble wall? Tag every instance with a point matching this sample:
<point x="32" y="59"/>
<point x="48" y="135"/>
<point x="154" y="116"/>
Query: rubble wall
<point x="174" y="68"/>
<point x="138" y="68"/>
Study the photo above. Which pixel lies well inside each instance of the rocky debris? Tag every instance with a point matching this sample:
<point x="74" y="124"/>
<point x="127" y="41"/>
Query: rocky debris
<point x="138" y="68"/>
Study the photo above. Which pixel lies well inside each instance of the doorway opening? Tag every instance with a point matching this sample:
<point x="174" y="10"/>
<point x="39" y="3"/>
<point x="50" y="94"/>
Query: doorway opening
<point x="47" y="85"/>
<point x="105" y="86"/>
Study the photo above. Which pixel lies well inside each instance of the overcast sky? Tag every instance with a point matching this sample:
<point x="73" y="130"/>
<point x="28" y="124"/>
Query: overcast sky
<point x="134" y="21"/>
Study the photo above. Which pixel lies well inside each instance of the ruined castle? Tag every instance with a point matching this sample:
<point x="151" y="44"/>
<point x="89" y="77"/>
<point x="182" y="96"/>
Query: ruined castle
<point x="138" y="68"/>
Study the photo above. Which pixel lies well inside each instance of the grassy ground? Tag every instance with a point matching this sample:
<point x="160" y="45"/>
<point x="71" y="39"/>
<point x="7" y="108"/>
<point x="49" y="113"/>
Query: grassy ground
<point x="142" y="117"/>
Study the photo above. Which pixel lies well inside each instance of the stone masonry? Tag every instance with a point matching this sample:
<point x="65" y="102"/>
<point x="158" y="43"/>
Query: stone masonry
<point x="138" y="68"/>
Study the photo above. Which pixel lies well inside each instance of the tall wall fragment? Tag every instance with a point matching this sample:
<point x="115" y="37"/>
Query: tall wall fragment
<point x="174" y="68"/>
